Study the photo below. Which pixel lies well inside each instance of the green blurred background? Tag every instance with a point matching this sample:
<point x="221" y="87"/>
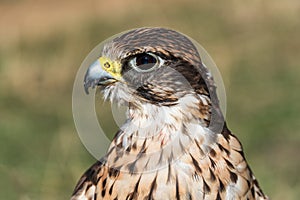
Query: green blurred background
<point x="42" y="44"/>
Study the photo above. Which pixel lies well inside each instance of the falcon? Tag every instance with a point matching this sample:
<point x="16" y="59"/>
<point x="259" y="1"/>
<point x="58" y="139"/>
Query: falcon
<point x="175" y="143"/>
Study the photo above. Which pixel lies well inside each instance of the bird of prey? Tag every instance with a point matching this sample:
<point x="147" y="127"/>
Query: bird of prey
<point x="175" y="143"/>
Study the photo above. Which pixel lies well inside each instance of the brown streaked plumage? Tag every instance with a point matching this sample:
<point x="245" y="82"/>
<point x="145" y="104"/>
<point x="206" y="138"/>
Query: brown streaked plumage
<point x="175" y="143"/>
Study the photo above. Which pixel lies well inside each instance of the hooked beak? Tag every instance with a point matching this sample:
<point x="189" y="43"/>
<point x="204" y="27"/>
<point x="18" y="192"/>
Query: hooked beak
<point x="102" y="72"/>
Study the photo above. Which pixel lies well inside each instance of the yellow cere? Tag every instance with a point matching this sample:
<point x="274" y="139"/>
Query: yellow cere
<point x="112" y="67"/>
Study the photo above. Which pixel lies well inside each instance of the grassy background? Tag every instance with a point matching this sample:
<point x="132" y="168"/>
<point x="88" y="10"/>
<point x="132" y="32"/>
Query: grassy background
<point x="42" y="44"/>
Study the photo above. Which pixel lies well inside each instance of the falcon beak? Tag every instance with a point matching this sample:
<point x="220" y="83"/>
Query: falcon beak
<point x="102" y="72"/>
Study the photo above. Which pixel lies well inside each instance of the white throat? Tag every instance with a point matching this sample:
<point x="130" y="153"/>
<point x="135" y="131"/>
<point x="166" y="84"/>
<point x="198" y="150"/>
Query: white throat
<point x="153" y="136"/>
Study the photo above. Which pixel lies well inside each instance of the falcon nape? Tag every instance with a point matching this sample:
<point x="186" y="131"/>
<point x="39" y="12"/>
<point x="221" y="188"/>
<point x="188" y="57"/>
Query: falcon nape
<point x="175" y="143"/>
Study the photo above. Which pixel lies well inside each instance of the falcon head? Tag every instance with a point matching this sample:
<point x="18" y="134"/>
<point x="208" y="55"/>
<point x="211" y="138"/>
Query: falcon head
<point x="154" y="66"/>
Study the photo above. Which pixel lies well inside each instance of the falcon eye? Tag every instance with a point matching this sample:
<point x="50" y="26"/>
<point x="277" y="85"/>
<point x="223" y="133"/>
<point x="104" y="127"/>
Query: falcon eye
<point x="145" y="62"/>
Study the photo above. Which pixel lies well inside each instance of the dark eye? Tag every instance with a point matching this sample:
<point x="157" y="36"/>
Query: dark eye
<point x="145" y="62"/>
